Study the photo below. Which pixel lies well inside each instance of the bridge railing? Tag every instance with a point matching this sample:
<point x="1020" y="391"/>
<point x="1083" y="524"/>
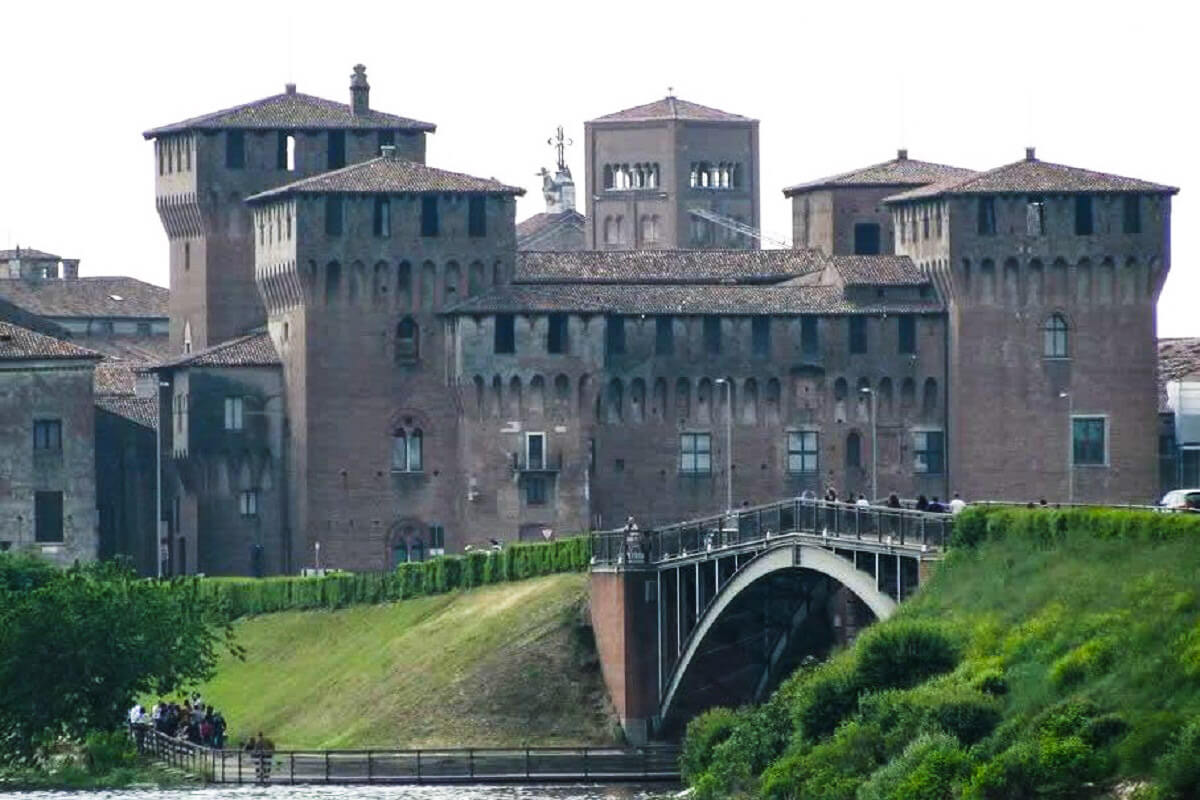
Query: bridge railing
<point x="879" y="524"/>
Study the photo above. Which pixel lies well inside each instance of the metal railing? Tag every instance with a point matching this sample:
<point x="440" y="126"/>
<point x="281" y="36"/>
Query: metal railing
<point x="423" y="766"/>
<point x="879" y="524"/>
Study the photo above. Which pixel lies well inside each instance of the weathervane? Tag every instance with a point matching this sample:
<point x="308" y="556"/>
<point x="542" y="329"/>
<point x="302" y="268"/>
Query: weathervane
<point x="560" y="142"/>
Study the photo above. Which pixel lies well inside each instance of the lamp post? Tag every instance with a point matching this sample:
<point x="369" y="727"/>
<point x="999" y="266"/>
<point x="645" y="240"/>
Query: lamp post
<point x="728" y="443"/>
<point x="874" y="444"/>
<point x="1070" y="446"/>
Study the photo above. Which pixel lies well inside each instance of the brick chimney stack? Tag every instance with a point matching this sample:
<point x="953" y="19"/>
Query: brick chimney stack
<point x="360" y="91"/>
<point x="902" y="154"/>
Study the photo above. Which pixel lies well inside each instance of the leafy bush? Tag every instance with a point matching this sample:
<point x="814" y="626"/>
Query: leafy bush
<point x="1049" y="766"/>
<point x="109" y="750"/>
<point x="1044" y="527"/>
<point x="830" y="770"/>
<point x="704" y="733"/>
<point x="903" y="653"/>
<point x="758" y="738"/>
<point x="828" y="696"/>
<point x="929" y="768"/>
<point x="22" y="572"/>
<point x="1179" y="766"/>
<point x="957" y="710"/>
<point x="1089" y="659"/>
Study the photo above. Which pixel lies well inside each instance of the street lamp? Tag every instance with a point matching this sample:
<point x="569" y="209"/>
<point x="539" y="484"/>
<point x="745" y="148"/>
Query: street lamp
<point x="728" y="443"/>
<point x="1070" y="446"/>
<point x="874" y="444"/>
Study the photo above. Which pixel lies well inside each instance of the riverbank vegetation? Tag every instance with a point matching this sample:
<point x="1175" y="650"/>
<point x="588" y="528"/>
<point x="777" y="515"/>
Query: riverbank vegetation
<point x="1054" y="654"/>
<point x="503" y="665"/>
<point x="102" y="761"/>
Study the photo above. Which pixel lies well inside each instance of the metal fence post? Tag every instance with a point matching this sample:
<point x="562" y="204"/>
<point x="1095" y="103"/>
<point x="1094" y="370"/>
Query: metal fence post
<point x="291" y="769"/>
<point x="327" y="766"/>
<point x="526" y="763"/>
<point x="239" y="752"/>
<point x="471" y="761"/>
<point x="585" y="763"/>
<point x="418" y="766"/>
<point x="370" y="766"/>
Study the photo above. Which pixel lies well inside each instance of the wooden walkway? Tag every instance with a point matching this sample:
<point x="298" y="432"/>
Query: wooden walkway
<point x="436" y="766"/>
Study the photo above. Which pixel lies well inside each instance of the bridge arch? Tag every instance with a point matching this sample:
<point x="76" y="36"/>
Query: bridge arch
<point x="784" y="556"/>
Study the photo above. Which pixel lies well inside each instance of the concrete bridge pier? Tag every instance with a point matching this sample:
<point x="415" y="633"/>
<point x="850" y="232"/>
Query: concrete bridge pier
<point x="624" y="619"/>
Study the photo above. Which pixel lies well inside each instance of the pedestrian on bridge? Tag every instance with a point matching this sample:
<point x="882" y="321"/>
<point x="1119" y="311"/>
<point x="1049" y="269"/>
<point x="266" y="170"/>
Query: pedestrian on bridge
<point x="957" y="504"/>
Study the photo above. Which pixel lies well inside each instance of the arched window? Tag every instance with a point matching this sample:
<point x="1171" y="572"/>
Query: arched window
<point x="908" y="395"/>
<point x="929" y="397"/>
<point x="399" y="552"/>
<point x="1054" y="337"/>
<point x="450" y="294"/>
<point x="614" y="404"/>
<point x="400" y="451"/>
<point x="417" y="552"/>
<point x="853" y="450"/>
<point x="408" y="343"/>
<point x="608" y="176"/>
<point x="683" y="398"/>
<point x="404" y="285"/>
<point x="407" y="450"/>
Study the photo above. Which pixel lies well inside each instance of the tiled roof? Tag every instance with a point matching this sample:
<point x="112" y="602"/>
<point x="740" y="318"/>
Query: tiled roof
<point x="87" y="297"/>
<point x="28" y="252"/>
<point x="659" y="299"/>
<point x="141" y="410"/>
<point x="143" y="349"/>
<point x="114" y="376"/>
<point x="897" y="172"/>
<point x="292" y="111"/>
<point x="20" y="344"/>
<point x="1032" y="175"/>
<point x="879" y="271"/>
<point x="11" y="312"/>
<point x="252" y="350"/>
<point x="534" y="225"/>
<point x="672" y="108"/>
<point x="389" y="175"/>
<point x="666" y="266"/>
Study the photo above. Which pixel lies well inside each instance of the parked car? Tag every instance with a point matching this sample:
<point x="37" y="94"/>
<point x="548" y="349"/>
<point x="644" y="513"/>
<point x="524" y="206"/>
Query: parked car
<point x="1181" y="500"/>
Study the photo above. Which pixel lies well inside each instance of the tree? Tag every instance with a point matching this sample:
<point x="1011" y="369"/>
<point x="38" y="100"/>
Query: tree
<point x="78" y="646"/>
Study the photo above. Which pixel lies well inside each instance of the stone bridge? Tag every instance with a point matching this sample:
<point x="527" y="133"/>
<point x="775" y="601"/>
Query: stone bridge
<point x="718" y="611"/>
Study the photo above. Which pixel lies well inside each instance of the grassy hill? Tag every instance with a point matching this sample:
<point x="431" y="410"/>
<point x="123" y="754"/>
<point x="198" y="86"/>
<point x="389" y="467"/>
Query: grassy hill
<point x="502" y="665"/>
<point x="1052" y="655"/>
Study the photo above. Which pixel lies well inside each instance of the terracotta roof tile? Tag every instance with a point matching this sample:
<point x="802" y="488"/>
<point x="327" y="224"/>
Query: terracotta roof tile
<point x="141" y="410"/>
<point x="28" y="252"/>
<point x="252" y="350"/>
<point x="672" y="108"/>
<point x="659" y="299"/>
<point x="532" y="226"/>
<point x="291" y="111"/>
<point x="87" y="297"/>
<point x="388" y="175"/>
<point x="879" y="271"/>
<point x="897" y="172"/>
<point x="666" y="266"/>
<point x="20" y="344"/>
<point x="1032" y="175"/>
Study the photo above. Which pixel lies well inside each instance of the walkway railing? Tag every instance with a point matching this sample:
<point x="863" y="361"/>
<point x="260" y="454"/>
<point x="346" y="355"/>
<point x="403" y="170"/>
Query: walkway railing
<point x="878" y="524"/>
<point x="424" y="766"/>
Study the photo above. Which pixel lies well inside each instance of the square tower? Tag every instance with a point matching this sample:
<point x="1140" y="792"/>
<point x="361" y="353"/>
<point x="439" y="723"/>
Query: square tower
<point x="650" y="166"/>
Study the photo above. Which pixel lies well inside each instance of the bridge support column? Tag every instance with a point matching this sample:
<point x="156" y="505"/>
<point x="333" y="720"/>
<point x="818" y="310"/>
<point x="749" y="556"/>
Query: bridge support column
<point x="626" y="623"/>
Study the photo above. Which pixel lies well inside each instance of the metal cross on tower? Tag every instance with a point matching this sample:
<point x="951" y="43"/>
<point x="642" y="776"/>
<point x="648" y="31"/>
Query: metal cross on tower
<point x="560" y="142"/>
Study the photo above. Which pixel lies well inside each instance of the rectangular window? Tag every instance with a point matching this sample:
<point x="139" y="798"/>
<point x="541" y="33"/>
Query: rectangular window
<point x="337" y="149"/>
<point x="506" y="334"/>
<point x="760" y="336"/>
<point x="333" y="215"/>
<point x="929" y="452"/>
<point x="47" y="434"/>
<point x="535" y="451"/>
<point x="233" y="413"/>
<point x="477" y="216"/>
<point x="248" y="503"/>
<point x="235" y="150"/>
<point x="1131" y="218"/>
<point x="386" y="138"/>
<point x="1089" y="441"/>
<point x="535" y="490"/>
<point x="614" y="335"/>
<point x="986" y="223"/>
<point x="712" y="335"/>
<point x="695" y="453"/>
<point x="866" y="239"/>
<point x="556" y="334"/>
<point x="858" y="335"/>
<point x="437" y="538"/>
<point x="908" y="334"/>
<point x="802" y="452"/>
<point x="810" y="345"/>
<point x="1083" y="215"/>
<point x="48" y="516"/>
<point x="664" y="336"/>
<point x="382" y="221"/>
<point x="1035" y="216"/>
<point x="429" y="215"/>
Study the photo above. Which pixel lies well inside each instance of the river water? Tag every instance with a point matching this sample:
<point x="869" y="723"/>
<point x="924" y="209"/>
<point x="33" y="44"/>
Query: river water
<point x="582" y="792"/>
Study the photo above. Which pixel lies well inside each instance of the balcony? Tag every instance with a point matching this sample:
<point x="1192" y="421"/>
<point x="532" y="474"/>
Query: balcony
<point x="550" y="463"/>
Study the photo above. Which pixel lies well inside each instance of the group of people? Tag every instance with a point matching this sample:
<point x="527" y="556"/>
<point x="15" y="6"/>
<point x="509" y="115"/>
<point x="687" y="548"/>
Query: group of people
<point x="190" y="720"/>
<point x="923" y="503"/>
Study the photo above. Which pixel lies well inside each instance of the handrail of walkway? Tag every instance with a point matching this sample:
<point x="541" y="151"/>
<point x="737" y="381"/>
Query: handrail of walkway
<point x="414" y="766"/>
<point x="880" y="524"/>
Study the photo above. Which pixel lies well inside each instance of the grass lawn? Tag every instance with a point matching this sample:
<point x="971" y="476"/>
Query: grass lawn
<point x="509" y="664"/>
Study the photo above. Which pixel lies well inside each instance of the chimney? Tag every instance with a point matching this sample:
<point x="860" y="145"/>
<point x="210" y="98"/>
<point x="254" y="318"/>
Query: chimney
<point x="360" y="91"/>
<point x="70" y="269"/>
<point x="1029" y="156"/>
<point x="902" y="154"/>
<point x="388" y="151"/>
<point x="289" y="88"/>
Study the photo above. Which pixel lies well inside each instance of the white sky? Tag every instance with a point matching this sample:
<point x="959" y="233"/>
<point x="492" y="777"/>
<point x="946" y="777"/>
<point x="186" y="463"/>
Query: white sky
<point x="836" y="84"/>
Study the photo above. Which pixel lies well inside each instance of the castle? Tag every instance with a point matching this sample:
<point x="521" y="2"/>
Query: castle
<point x="372" y="362"/>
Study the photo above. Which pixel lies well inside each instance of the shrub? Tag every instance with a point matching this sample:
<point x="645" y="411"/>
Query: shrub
<point x="828" y="696"/>
<point x="1050" y="766"/>
<point x="758" y="738"/>
<point x="704" y="733"/>
<point x="107" y="751"/>
<point x="957" y="710"/>
<point x="830" y="770"/>
<point x="903" y="653"/>
<point x="1089" y="659"/>
<point x="929" y="768"/>
<point x="1179" y="766"/>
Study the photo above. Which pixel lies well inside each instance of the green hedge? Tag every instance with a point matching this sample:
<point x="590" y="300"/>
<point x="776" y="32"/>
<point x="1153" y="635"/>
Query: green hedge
<point x="1044" y="527"/>
<point x="243" y="596"/>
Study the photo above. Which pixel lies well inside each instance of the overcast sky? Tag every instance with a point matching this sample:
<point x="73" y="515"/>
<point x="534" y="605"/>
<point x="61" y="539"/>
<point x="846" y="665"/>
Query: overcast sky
<point x="1110" y="86"/>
